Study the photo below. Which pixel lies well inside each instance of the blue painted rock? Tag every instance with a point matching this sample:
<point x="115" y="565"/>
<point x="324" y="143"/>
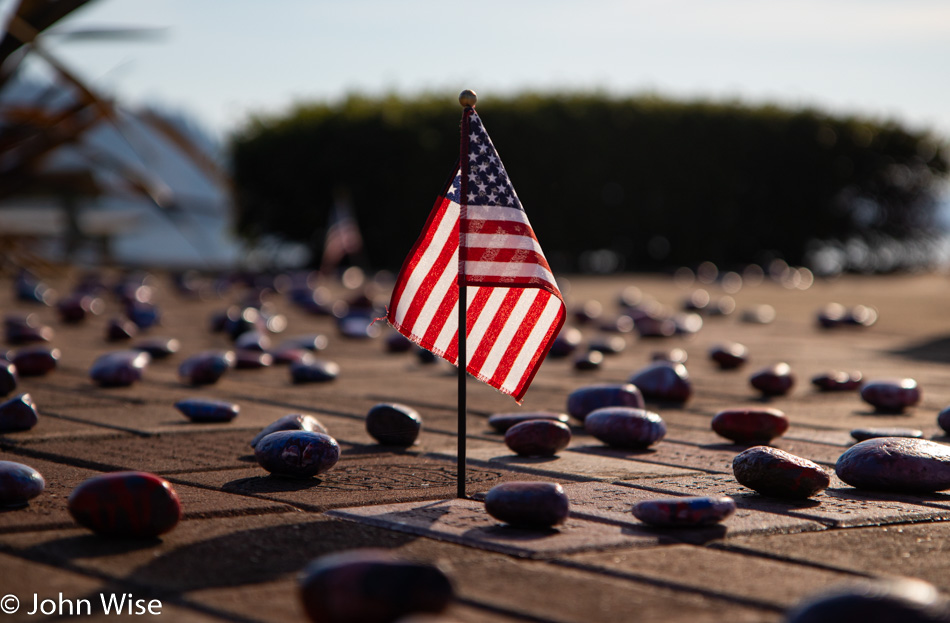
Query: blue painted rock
<point x="538" y="437"/>
<point x="685" y="512"/>
<point x="896" y="464"/>
<point x="207" y="410"/>
<point x="253" y="340"/>
<point x="528" y="504"/>
<point x="901" y="600"/>
<point x="730" y="355"/>
<point x="608" y="344"/>
<point x="297" y="453"/>
<point x="625" y="427"/>
<point x="36" y="360"/>
<point x="358" y="326"/>
<point x="582" y="401"/>
<point x="158" y="347"/>
<point x="19" y="484"/>
<point x="315" y="371"/>
<point x="291" y="355"/>
<point x="119" y="368"/>
<point x="294" y="421"/>
<point x="863" y="434"/>
<point x="393" y="424"/>
<point x="591" y="360"/>
<point x="398" y="343"/>
<point x="126" y="504"/>
<point x="8" y="377"/>
<point x="663" y="381"/>
<point x="371" y="586"/>
<point x="943" y="420"/>
<point x="121" y="329"/>
<point x="838" y="381"/>
<point x="31" y="290"/>
<point x="775" y="380"/>
<point x="26" y="329"/>
<point x="207" y="367"/>
<point x="501" y="422"/>
<point x="426" y="357"/>
<point x="238" y="320"/>
<point x="314" y="342"/>
<point x="18" y="414"/>
<point x="565" y="343"/>
<point x="777" y="473"/>
<point x="891" y="396"/>
<point x="143" y="314"/>
<point x="756" y="426"/>
<point x="252" y="359"/>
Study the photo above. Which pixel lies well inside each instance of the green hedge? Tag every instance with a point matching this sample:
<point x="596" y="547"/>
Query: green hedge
<point x="659" y="182"/>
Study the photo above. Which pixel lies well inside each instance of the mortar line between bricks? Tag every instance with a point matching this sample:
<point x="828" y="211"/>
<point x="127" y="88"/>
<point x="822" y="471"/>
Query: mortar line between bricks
<point x="71" y="418"/>
<point x="746" y="551"/>
<point x="643" y="579"/>
<point x="524" y="616"/>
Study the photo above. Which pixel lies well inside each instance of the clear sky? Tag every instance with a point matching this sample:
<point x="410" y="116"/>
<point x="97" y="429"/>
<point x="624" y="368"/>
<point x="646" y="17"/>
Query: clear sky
<point x="219" y="60"/>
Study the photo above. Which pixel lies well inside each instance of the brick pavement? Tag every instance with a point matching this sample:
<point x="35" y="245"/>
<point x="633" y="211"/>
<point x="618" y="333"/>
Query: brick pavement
<point x="246" y="535"/>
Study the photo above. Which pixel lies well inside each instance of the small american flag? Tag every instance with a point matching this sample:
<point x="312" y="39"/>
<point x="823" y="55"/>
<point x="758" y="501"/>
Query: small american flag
<point x="478" y="235"/>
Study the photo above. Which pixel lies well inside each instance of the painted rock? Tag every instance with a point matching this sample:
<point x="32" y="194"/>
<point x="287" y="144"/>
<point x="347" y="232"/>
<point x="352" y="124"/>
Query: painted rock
<point x="501" y="422"/>
<point x="943" y="420"/>
<point x="750" y="426"/>
<point x="654" y="325"/>
<point x="863" y="434"/>
<point x="314" y="342"/>
<point x="207" y="367"/>
<point x="398" y="343"/>
<point x="566" y="342"/>
<point x="625" y="427"/>
<point x="617" y="324"/>
<point x="8" y="377"/>
<point x="775" y="380"/>
<point x="674" y="355"/>
<point x="143" y="314"/>
<point x="371" y="586"/>
<point x="896" y="464"/>
<point x="758" y="314"/>
<point x="238" y="320"/>
<point x="426" y="357"/>
<point x="831" y="315"/>
<point x="26" y="329"/>
<point x="18" y="414"/>
<point x="688" y="323"/>
<point x="315" y="371"/>
<point x="663" y="381"/>
<point x="207" y="410"/>
<point x="253" y="340"/>
<point x="393" y="424"/>
<point x="538" y="437"/>
<point x="777" y="473"/>
<point x="582" y="401"/>
<point x="291" y="355"/>
<point x="36" y="360"/>
<point x="861" y="316"/>
<point x="121" y="329"/>
<point x="696" y="301"/>
<point x="358" y="326"/>
<point x="294" y="421"/>
<point x="297" y="453"/>
<point x="685" y="512"/>
<point x="891" y="396"/>
<point x="252" y="359"/>
<point x="608" y="344"/>
<point x="729" y="356"/>
<point x="19" y="484"/>
<point x="158" y="347"/>
<point x="126" y="504"/>
<point x="588" y="311"/>
<point x="119" y="368"/>
<point x="880" y="601"/>
<point x="591" y="360"/>
<point x="838" y="381"/>
<point x="528" y="504"/>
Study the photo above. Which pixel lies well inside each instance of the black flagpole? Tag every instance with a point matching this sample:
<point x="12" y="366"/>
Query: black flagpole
<point x="467" y="99"/>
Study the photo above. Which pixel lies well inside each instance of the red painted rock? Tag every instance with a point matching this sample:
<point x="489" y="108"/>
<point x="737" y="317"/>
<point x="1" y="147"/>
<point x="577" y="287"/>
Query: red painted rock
<point x="371" y="586"/>
<point x="76" y="307"/>
<point x="253" y="340"/>
<point x="528" y="504"/>
<point x="314" y="371"/>
<point x="207" y="367"/>
<point x="297" y="453"/>
<point x="625" y="427"/>
<point x="18" y="414"/>
<point x="501" y="422"/>
<point x="126" y="504"/>
<point x="538" y="437"/>
<point x="393" y="424"/>
<point x="729" y="356"/>
<point x="685" y="512"/>
<point x="208" y="410"/>
<point x="757" y="426"/>
<point x="891" y="396"/>
<point x="291" y="355"/>
<point x="838" y="381"/>
<point x="252" y="359"/>
<point x="775" y="380"/>
<point x="896" y="464"/>
<point x="19" y="484"/>
<point x="777" y="473"/>
<point x="902" y="600"/>
<point x="294" y="421"/>
<point x="582" y="401"/>
<point x="863" y="434"/>
<point x="158" y="347"/>
<point x="119" y="368"/>
<point x="8" y="377"/>
<point x="663" y="381"/>
<point x="591" y="360"/>
<point x="36" y="360"/>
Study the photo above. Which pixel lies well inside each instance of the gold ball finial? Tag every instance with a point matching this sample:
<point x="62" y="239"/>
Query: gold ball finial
<point x="468" y="98"/>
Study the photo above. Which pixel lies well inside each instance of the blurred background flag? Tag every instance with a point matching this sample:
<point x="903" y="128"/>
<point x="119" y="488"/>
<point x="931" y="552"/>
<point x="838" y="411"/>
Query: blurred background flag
<point x="343" y="236"/>
<point x="478" y="235"/>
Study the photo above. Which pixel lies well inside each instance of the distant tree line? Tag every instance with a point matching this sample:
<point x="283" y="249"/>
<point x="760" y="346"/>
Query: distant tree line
<point x="655" y="182"/>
